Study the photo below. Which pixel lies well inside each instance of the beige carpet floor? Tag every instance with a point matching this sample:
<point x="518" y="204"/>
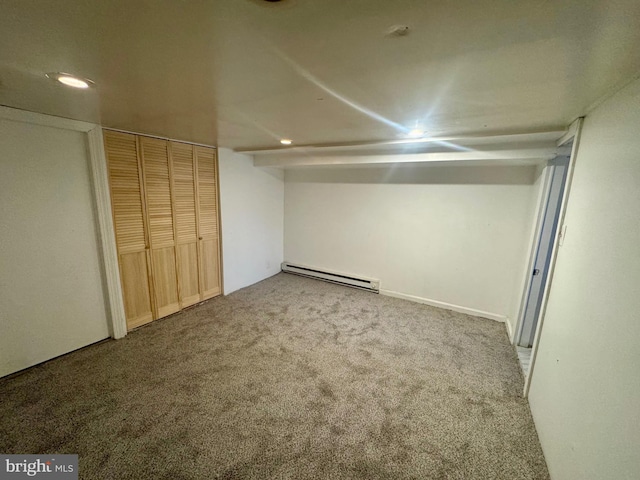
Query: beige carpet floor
<point x="290" y="378"/>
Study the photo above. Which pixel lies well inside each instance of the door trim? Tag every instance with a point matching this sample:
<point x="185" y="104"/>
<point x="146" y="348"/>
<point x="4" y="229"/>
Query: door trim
<point x="102" y="198"/>
<point x="573" y="134"/>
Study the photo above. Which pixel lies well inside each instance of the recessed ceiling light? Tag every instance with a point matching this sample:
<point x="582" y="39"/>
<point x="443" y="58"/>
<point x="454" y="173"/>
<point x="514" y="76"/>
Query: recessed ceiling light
<point x="416" y="133"/>
<point x="70" y="80"/>
<point x="286" y="141"/>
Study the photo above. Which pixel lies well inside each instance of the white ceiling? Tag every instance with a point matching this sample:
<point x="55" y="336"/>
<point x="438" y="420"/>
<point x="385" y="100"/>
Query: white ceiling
<point x="244" y="73"/>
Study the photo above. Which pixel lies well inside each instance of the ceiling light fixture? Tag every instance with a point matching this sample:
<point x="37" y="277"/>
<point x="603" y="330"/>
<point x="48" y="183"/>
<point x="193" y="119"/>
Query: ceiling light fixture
<point x="70" y="80"/>
<point x="286" y="141"/>
<point x="415" y="133"/>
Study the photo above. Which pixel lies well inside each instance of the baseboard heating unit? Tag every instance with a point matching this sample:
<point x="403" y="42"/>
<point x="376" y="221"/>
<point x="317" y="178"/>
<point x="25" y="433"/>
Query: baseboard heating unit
<point x="368" y="284"/>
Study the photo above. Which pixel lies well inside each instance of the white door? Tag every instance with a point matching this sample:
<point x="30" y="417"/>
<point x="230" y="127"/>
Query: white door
<point x="52" y="296"/>
<point x="542" y="261"/>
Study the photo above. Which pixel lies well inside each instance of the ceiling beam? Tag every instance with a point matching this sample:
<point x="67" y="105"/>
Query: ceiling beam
<point x="302" y="160"/>
<point x="400" y="145"/>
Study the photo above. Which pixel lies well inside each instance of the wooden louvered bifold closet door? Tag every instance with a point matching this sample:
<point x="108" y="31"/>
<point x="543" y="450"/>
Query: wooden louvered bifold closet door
<point x="208" y="235"/>
<point x="185" y="207"/>
<point x="127" y="203"/>
<point x="157" y="187"/>
<point x="164" y="196"/>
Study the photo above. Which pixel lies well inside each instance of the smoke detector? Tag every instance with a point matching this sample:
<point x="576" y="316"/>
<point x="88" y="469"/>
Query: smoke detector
<point x="274" y="4"/>
<point x="397" y="31"/>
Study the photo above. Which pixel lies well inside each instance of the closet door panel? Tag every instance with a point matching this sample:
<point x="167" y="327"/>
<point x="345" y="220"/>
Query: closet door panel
<point x="189" y="277"/>
<point x="165" y="281"/>
<point x="128" y="215"/>
<point x="208" y="231"/>
<point x="135" y="286"/>
<point x="158" y="191"/>
<point x="207" y="192"/>
<point x="156" y="168"/>
<point x="210" y="268"/>
<point x="184" y="189"/>
<point x="185" y="206"/>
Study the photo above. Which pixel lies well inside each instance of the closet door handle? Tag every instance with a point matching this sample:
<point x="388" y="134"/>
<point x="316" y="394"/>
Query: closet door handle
<point x="199" y="238"/>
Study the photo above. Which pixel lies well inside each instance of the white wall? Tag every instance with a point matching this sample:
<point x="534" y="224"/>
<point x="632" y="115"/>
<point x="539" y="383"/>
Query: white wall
<point x="585" y="390"/>
<point x="251" y="203"/>
<point x="52" y="299"/>
<point x="453" y="236"/>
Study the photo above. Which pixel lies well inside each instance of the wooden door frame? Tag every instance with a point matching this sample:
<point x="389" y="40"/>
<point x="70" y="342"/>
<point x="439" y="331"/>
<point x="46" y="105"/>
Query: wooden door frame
<point x="101" y="205"/>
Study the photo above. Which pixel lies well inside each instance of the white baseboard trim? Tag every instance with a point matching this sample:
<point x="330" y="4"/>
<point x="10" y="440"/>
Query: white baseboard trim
<point x="448" y="306"/>
<point x="509" y="330"/>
